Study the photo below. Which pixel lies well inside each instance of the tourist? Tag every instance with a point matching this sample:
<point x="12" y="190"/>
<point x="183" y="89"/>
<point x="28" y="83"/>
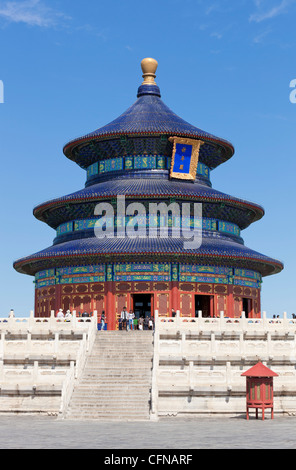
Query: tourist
<point x="173" y="312"/>
<point x="131" y="317"/>
<point x="141" y="321"/>
<point x="124" y="316"/>
<point x="103" y="319"/>
<point x="146" y="323"/>
<point x="11" y="314"/>
<point x="60" y="315"/>
<point x="150" y="324"/>
<point x="136" y="323"/>
<point x="68" y="316"/>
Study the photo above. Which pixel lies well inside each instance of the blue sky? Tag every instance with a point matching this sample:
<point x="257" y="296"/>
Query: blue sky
<point x="69" y="67"/>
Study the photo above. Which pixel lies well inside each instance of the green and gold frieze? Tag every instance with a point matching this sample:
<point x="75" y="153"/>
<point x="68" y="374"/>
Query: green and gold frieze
<point x="139" y="162"/>
<point x="148" y="272"/>
<point x="210" y="224"/>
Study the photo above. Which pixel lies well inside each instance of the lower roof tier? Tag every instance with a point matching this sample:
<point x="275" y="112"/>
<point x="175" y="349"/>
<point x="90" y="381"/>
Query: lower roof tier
<point x="73" y="206"/>
<point x="95" y="250"/>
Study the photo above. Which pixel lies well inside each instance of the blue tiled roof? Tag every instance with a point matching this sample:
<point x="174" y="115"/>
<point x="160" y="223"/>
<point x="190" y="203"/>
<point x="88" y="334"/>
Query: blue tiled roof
<point x="143" y="188"/>
<point x="225" y="252"/>
<point x="149" y="115"/>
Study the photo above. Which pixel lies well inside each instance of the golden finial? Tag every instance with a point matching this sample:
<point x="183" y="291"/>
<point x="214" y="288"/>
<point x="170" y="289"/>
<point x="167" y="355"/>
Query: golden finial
<point x="149" y="67"/>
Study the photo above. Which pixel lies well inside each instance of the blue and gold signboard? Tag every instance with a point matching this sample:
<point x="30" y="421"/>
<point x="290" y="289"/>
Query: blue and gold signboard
<point x="184" y="158"/>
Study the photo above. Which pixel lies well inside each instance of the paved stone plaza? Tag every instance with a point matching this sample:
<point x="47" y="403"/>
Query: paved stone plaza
<point x="19" y="432"/>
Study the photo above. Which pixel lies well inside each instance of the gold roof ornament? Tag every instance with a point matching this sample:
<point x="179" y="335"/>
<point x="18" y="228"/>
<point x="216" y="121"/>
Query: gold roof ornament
<point x="149" y="67"/>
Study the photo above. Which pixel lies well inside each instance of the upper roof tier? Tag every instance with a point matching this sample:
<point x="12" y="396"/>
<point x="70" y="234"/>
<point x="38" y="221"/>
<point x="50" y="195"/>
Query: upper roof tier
<point x="148" y="117"/>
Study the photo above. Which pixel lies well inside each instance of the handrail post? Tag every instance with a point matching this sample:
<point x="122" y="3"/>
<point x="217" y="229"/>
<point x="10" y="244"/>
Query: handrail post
<point x="222" y="319"/>
<point x="154" y="387"/>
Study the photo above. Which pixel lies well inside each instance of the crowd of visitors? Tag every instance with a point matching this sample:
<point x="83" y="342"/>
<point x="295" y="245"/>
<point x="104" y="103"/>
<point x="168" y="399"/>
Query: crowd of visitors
<point x="64" y="317"/>
<point x="128" y="321"/>
<point x="61" y="316"/>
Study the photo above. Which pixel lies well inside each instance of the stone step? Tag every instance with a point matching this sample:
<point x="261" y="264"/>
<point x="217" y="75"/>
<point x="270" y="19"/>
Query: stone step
<point x="97" y="405"/>
<point x="85" y="382"/>
<point x="101" y="393"/>
<point x="120" y="347"/>
<point x="130" y="357"/>
<point x="128" y="373"/>
<point x="117" y="364"/>
<point x="118" y="387"/>
<point x="109" y="416"/>
<point x="107" y="371"/>
<point x="143" y="401"/>
<point x="119" y="408"/>
<point x="106" y="391"/>
<point x="116" y="411"/>
<point x="123" y="375"/>
<point x="124" y="337"/>
<point x="118" y="353"/>
<point x="132" y="371"/>
<point x="133" y="366"/>
<point x="85" y="388"/>
<point x="112" y="384"/>
<point x="115" y="384"/>
<point x="142" y="408"/>
<point x="138" y="408"/>
<point x="106" y="416"/>
<point x="122" y="341"/>
<point x="102" y="396"/>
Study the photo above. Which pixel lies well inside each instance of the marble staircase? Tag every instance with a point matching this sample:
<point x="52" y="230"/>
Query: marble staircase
<point x="116" y="381"/>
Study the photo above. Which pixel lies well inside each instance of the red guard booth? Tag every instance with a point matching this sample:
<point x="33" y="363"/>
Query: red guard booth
<point x="259" y="388"/>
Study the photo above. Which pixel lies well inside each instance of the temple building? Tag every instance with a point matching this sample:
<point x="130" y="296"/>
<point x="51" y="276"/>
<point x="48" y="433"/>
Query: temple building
<point x="148" y="231"/>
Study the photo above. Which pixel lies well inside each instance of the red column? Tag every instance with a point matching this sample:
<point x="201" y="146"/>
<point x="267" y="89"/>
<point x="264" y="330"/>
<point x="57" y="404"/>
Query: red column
<point x="174" y="295"/>
<point x="110" y="306"/>
<point x="230" y="302"/>
<point x="58" y="298"/>
<point x="259" y="304"/>
<point x="36" y="314"/>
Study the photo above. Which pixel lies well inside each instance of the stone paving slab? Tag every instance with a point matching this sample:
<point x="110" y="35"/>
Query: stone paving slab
<point x="39" y="432"/>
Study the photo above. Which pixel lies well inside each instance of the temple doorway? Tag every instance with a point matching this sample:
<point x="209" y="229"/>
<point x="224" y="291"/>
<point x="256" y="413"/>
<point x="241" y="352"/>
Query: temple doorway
<point x="142" y="304"/>
<point x="203" y="303"/>
<point x="247" y="307"/>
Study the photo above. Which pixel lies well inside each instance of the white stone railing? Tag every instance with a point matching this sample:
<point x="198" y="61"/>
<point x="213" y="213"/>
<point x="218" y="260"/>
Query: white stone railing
<point x="154" y="384"/>
<point x="48" y="323"/>
<point x="30" y="378"/>
<point x="67" y="390"/>
<point x="22" y="347"/>
<point x="225" y="323"/>
<point x="224" y="341"/>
